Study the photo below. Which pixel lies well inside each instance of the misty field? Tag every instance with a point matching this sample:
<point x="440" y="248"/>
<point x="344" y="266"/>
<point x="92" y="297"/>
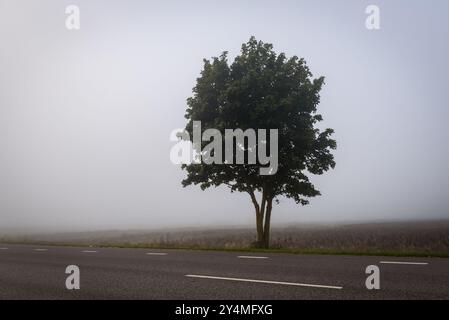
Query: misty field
<point x="400" y="237"/>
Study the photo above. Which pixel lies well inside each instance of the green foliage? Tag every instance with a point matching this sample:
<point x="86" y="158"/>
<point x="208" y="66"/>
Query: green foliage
<point x="262" y="90"/>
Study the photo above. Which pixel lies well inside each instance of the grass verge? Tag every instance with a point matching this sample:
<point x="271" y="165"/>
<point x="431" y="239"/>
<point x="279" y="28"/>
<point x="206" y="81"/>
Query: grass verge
<point x="305" y="251"/>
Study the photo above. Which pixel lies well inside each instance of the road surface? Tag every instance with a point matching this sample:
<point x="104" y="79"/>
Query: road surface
<point x="38" y="272"/>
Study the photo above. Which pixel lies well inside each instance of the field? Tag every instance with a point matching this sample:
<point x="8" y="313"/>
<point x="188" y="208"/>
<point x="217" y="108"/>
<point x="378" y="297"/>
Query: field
<point x="399" y="238"/>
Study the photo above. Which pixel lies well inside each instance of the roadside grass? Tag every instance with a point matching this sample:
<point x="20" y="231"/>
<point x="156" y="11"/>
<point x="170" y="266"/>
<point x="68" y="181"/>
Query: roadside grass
<point x="299" y="251"/>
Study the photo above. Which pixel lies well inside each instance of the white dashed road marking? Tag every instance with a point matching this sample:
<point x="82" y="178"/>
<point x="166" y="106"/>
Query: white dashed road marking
<point x="4" y="248"/>
<point x="40" y="250"/>
<point x="251" y="257"/>
<point x="406" y="263"/>
<point x="266" y="282"/>
<point x="89" y="251"/>
<point x="156" y="253"/>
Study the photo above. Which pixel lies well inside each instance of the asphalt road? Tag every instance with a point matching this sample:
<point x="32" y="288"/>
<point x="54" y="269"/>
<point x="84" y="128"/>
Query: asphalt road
<point x="37" y="272"/>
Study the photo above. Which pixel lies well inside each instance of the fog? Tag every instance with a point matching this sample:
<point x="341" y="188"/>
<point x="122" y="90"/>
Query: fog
<point x="86" y="115"/>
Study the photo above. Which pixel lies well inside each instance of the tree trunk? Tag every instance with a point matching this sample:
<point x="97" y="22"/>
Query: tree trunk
<point x="259" y="219"/>
<point x="263" y="219"/>
<point x="260" y="238"/>
<point x="259" y="224"/>
<point x="266" y="230"/>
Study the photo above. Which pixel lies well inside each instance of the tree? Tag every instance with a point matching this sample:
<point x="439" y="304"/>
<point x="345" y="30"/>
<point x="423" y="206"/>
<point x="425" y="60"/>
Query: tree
<point x="262" y="89"/>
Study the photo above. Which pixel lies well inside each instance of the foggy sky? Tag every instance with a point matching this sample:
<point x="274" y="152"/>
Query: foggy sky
<point x="85" y="116"/>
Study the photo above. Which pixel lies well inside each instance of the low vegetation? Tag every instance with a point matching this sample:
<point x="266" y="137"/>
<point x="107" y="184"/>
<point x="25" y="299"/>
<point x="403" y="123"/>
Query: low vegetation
<point x="398" y="239"/>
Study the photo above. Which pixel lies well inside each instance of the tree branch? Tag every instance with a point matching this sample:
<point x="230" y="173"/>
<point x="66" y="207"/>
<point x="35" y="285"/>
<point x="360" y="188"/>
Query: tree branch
<point x="263" y="205"/>
<point x="254" y="200"/>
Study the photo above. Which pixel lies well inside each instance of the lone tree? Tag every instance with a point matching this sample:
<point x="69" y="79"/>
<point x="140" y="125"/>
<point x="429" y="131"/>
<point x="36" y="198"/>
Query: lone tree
<point x="262" y="90"/>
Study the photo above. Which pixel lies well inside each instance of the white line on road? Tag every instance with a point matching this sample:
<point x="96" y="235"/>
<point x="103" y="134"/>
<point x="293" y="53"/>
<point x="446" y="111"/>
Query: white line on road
<point x="251" y="257"/>
<point x="89" y="251"/>
<point x="409" y="263"/>
<point x="4" y="248"/>
<point x="156" y="253"/>
<point x="268" y="282"/>
<point x="41" y="250"/>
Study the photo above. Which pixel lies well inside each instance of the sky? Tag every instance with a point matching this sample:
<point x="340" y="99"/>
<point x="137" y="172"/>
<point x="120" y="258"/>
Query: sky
<point x="86" y="115"/>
